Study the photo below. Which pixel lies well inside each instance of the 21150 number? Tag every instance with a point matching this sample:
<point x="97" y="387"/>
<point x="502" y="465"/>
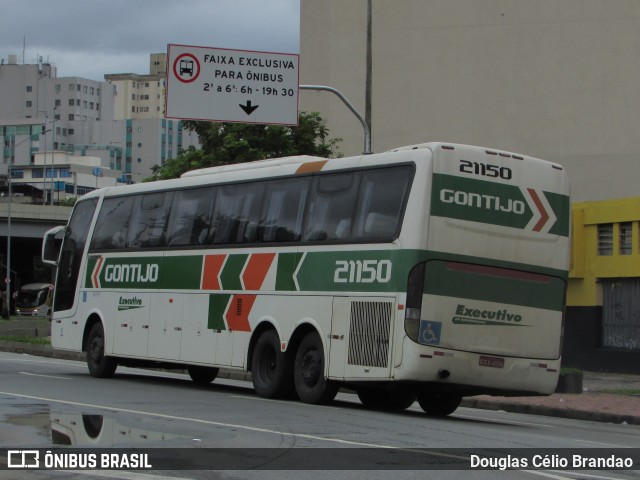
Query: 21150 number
<point x="362" y="271"/>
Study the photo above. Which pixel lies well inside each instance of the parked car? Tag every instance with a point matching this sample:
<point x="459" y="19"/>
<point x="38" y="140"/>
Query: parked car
<point x="34" y="299"/>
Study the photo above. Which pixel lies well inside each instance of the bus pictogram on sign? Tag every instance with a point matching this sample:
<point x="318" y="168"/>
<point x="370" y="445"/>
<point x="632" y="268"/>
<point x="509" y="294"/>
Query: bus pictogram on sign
<point x="186" y="68"/>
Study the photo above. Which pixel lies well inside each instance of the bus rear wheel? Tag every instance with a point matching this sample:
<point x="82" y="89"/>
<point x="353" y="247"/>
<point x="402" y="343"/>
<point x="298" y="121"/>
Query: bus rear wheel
<point x="308" y="372"/>
<point x="271" y="368"/>
<point x="202" y="375"/>
<point x="100" y="365"/>
<point x="390" y="400"/>
<point x="439" y="404"/>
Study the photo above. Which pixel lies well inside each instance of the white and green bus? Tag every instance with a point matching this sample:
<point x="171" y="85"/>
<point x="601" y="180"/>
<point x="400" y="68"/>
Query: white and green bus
<point x="430" y="272"/>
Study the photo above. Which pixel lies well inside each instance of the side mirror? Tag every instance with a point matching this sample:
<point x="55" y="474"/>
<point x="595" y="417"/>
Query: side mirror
<point x="50" y="253"/>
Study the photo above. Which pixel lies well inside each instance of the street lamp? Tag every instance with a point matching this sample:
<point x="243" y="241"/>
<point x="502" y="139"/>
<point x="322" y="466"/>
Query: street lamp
<point x="9" y="175"/>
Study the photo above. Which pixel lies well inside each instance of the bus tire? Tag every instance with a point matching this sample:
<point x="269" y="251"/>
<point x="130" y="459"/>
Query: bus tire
<point x="202" y="375"/>
<point x="271" y="368"/>
<point x="308" y="372"/>
<point x="389" y="400"/>
<point x="439" y="404"/>
<point x="100" y="365"/>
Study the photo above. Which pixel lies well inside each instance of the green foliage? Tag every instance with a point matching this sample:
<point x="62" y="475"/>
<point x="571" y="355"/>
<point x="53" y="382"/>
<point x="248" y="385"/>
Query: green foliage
<point x="68" y="202"/>
<point x="227" y="143"/>
<point x="23" y="339"/>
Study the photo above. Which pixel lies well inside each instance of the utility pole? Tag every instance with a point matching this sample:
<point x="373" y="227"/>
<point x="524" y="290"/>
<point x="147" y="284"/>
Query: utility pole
<point x="369" y="66"/>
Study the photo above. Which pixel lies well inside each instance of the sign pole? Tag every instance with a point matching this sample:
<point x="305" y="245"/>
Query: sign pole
<point x="365" y="126"/>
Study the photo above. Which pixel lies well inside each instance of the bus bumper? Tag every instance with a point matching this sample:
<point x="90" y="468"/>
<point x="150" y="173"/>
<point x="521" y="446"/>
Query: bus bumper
<point x="481" y="373"/>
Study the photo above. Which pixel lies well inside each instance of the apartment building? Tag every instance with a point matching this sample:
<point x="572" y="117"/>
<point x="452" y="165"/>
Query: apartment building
<point x="119" y="120"/>
<point x="141" y="96"/>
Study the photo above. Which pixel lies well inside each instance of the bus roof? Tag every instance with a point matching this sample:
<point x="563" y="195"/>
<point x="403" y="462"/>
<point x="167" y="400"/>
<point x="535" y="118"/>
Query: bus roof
<point x="491" y="151"/>
<point x="270" y="162"/>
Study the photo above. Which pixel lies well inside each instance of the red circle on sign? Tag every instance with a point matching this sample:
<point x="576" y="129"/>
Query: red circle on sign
<point x="186" y="68"/>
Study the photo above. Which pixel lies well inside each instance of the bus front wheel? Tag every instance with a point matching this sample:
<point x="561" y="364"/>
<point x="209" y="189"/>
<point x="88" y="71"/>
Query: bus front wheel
<point x="271" y="368"/>
<point x="100" y="365"/>
<point x="308" y="372"/>
<point x="439" y="404"/>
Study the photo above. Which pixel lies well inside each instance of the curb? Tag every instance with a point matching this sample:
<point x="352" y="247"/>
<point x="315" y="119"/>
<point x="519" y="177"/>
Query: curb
<point x="550" y="411"/>
<point x="470" y="402"/>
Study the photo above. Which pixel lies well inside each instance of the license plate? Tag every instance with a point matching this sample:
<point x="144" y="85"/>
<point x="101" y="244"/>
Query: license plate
<point x="495" y="362"/>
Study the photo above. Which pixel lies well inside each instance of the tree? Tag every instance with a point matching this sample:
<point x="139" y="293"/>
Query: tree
<point x="226" y="143"/>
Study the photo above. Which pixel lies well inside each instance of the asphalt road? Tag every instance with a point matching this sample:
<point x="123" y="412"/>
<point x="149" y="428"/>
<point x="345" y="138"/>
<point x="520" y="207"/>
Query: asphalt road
<point x="50" y="403"/>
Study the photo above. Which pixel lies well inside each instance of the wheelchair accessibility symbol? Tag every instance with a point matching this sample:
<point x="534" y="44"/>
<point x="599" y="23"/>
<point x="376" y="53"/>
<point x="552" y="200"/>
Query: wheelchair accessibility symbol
<point x="430" y="332"/>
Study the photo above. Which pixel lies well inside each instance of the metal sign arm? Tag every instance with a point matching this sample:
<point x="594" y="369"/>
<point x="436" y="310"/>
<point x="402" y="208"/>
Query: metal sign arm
<point x="367" y="131"/>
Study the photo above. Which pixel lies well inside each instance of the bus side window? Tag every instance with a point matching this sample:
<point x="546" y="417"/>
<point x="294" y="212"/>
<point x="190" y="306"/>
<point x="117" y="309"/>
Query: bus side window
<point x="283" y="210"/>
<point x="331" y="207"/>
<point x="113" y="224"/>
<point x="381" y="202"/>
<point x="149" y="220"/>
<point x="236" y="214"/>
<point x="190" y="217"/>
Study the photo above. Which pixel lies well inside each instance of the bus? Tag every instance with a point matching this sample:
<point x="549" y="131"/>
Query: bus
<point x="430" y="273"/>
<point x="34" y="299"/>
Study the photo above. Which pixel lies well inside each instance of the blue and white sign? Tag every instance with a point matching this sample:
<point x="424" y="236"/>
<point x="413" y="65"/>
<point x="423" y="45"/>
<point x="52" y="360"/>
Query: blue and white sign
<point x="430" y="332"/>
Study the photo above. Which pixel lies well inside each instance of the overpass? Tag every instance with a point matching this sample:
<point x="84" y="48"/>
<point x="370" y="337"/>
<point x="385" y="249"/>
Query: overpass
<point x="29" y="220"/>
<point x="28" y="224"/>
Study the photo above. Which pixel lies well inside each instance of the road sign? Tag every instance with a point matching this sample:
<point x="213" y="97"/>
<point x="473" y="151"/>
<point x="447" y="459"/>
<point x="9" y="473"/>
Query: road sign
<point x="205" y="83"/>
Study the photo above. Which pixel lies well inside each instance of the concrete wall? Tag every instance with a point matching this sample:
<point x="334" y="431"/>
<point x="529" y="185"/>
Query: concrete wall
<point x="556" y="80"/>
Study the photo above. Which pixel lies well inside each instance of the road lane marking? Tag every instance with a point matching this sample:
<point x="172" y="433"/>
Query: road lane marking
<point x="46" y="376"/>
<point x="601" y="443"/>
<point x="46" y="362"/>
<point x="500" y="420"/>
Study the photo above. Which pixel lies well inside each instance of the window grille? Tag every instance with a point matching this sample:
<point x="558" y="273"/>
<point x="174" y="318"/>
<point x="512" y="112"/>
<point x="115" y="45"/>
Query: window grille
<point x="605" y="239"/>
<point x="625" y="238"/>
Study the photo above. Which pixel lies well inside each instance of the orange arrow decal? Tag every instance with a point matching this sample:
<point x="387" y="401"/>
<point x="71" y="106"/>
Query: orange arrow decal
<point x="256" y="270"/>
<point x="211" y="272"/>
<point x="544" y="216"/>
<point x="96" y="273"/>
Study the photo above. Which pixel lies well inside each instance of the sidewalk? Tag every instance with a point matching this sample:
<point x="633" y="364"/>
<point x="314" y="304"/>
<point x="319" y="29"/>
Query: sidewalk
<point x="598" y="402"/>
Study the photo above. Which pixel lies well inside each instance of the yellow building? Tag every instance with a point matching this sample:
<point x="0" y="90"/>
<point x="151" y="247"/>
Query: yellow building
<point x="602" y="329"/>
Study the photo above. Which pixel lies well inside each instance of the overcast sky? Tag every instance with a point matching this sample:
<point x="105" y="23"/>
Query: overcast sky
<point x="90" y="38"/>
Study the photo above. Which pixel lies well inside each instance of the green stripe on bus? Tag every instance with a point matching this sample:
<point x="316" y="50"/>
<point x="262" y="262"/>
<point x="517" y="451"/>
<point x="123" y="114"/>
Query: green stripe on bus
<point x="537" y="291"/>
<point x="493" y="203"/>
<point x="287" y="265"/>
<point x="336" y="271"/>
<point x="217" y="306"/>
<point x="230" y="274"/>
<point x="181" y="273"/>
<point x="561" y="206"/>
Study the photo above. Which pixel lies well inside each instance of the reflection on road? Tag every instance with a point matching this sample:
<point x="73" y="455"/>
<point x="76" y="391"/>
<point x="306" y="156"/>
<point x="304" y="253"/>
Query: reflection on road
<point x="84" y="430"/>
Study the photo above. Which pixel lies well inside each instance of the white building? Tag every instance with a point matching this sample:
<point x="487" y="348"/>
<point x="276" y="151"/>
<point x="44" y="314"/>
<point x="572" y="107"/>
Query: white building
<point x="127" y="131"/>
<point x="64" y="174"/>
